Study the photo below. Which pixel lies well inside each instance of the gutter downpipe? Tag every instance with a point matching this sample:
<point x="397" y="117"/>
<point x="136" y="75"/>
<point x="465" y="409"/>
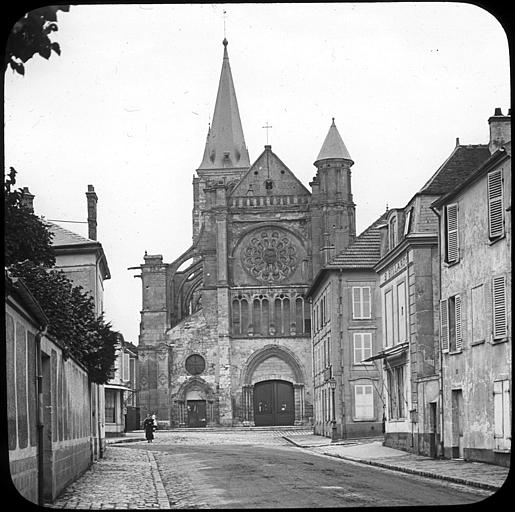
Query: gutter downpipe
<point x="442" y="422"/>
<point x="39" y="413"/>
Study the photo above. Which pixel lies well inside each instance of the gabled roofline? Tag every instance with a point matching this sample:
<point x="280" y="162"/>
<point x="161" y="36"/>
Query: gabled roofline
<point x="495" y="159"/>
<point x="269" y="148"/>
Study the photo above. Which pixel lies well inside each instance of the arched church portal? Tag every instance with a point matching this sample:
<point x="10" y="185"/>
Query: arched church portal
<point x="273" y="388"/>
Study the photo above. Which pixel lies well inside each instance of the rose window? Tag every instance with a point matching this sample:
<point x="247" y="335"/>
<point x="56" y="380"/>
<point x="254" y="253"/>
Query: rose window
<point x="269" y="256"/>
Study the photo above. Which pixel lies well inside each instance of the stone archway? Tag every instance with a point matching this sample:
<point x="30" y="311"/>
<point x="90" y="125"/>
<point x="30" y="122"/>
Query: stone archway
<point x="273" y="363"/>
<point x="195" y="404"/>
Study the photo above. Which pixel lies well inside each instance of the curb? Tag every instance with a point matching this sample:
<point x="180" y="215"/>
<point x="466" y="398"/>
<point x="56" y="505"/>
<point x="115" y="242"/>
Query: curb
<point x="419" y="472"/>
<point x="412" y="471"/>
<point x="128" y="440"/>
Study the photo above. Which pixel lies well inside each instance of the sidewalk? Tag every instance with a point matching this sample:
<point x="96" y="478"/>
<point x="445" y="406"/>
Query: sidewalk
<point x="122" y="479"/>
<point x="371" y="451"/>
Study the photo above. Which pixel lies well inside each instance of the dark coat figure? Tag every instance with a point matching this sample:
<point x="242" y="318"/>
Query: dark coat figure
<point x="148" y="426"/>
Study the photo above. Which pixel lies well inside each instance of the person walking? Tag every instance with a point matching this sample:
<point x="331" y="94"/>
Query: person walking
<point x="148" y="426"/>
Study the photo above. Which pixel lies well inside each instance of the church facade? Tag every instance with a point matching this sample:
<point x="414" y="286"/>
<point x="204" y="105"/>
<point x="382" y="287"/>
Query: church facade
<point x="225" y="333"/>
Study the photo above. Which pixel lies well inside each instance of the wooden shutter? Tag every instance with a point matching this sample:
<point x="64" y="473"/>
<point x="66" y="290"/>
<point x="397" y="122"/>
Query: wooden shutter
<point x="506" y="414"/>
<point x="457" y="317"/>
<point x="444" y="326"/>
<point x="363" y="402"/>
<point x="452" y="233"/>
<point x="495" y="204"/>
<point x="499" y="307"/>
<point x="498" y="411"/>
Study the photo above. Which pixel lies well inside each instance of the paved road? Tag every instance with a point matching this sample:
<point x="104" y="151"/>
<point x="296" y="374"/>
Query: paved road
<point x="254" y="470"/>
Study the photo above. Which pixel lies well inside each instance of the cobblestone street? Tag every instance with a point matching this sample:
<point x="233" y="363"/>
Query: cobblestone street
<point x="249" y="469"/>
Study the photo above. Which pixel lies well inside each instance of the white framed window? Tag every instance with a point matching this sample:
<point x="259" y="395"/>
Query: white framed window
<point x="451" y="339"/>
<point x="502" y="421"/>
<point x="363" y="402"/>
<point x="362" y="347"/>
<point x="125" y="367"/>
<point x="451" y="233"/>
<point x="495" y="204"/>
<point x="396" y="392"/>
<point x="361" y="307"/>
<point x="407" y="222"/>
<point x="500" y="320"/>
<point x="388" y="317"/>
<point x="401" y="311"/>
<point x="392" y="233"/>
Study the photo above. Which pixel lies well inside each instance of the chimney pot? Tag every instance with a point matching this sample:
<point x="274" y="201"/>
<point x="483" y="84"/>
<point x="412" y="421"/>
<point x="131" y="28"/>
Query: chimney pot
<point x="457" y="141"/>
<point x="498" y="112"/>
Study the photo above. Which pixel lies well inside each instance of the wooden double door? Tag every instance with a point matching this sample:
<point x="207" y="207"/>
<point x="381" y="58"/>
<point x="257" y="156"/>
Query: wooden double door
<point x="274" y="403"/>
<point x="196" y="413"/>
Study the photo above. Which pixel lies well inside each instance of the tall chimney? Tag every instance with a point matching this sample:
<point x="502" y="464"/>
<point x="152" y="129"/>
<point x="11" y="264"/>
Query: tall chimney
<point x="500" y="130"/>
<point x="92" y="212"/>
<point x="27" y="199"/>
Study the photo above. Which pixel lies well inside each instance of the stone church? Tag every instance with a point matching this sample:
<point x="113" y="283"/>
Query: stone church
<point x="225" y="328"/>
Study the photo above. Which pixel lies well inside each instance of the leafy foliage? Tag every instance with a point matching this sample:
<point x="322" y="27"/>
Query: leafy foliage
<point x="30" y="36"/>
<point x="71" y="314"/>
<point x="26" y="237"/>
<point x="69" y="308"/>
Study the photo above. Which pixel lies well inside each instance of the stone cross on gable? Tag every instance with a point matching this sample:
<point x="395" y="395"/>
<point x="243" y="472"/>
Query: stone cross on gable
<point x="267" y="127"/>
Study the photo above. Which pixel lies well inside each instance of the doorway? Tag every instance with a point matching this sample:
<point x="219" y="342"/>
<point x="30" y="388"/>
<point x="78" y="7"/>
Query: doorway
<point x="433" y="429"/>
<point x="196" y="413"/>
<point x="273" y="403"/>
<point x="457" y="423"/>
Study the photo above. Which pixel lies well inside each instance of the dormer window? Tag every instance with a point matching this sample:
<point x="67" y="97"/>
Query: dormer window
<point x="392" y="233"/>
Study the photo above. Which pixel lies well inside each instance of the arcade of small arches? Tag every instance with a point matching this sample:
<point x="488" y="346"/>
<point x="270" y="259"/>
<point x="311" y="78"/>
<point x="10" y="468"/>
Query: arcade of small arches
<point x="269" y="314"/>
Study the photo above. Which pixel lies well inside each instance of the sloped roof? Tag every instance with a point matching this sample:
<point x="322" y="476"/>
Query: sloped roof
<point x="333" y="146"/>
<point x="225" y="144"/>
<point x="269" y="166"/>
<point x="364" y="252"/>
<point x="462" y="162"/>
<point x="63" y="236"/>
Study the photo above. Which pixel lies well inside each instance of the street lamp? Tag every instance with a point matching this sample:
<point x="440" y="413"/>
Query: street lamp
<point x="332" y="383"/>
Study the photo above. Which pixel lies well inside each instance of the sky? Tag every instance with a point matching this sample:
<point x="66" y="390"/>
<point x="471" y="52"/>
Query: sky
<point x="126" y="107"/>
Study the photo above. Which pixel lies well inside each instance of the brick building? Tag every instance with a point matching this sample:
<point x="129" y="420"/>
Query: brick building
<point x="225" y="328"/>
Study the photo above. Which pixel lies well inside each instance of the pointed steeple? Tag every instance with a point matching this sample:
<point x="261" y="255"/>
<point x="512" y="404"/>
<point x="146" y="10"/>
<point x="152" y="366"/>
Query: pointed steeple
<point x="333" y="146"/>
<point x="225" y="144"/>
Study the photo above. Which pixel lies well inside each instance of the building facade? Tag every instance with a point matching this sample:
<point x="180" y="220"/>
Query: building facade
<point x="475" y="306"/>
<point x="225" y="328"/>
<point x="84" y="262"/>
<point x="121" y="393"/>
<point x="409" y="277"/>
<point x="346" y="330"/>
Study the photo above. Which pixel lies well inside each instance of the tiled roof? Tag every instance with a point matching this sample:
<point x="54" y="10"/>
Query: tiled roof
<point x="462" y="162"/>
<point x="63" y="236"/>
<point x="365" y="252"/>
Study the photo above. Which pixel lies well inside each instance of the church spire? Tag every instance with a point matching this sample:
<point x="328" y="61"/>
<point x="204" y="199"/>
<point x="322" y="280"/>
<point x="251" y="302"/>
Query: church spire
<point x="225" y="144"/>
<point x="333" y="146"/>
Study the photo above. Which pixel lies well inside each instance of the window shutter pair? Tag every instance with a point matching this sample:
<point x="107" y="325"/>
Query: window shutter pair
<point x="444" y="323"/>
<point x="499" y="307"/>
<point x="495" y="204"/>
<point x="452" y="233"/>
